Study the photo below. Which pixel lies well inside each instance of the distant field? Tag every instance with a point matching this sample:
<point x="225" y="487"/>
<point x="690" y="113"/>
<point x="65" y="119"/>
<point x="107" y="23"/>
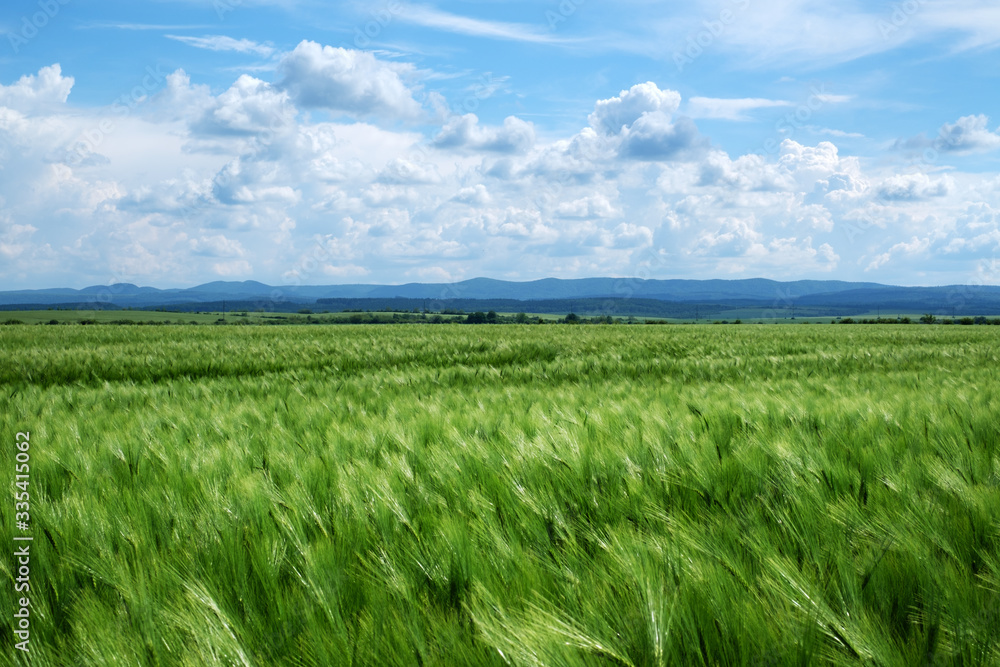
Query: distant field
<point x="320" y="317"/>
<point x="157" y="317"/>
<point x="105" y="316"/>
<point x="516" y="495"/>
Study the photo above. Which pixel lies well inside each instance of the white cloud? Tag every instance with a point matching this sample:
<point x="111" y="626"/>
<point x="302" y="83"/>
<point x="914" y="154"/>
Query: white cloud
<point x="842" y="134"/>
<point x="627" y="235"/>
<point x="234" y="269"/>
<point x="249" y="106"/>
<point x="642" y="117"/>
<point x="239" y="183"/>
<point x="977" y="21"/>
<point x="746" y="173"/>
<point x="224" y="43"/>
<point x="345" y="80"/>
<point x="434" y="274"/>
<point x="476" y="195"/>
<point x="384" y="195"/>
<point x="653" y="136"/>
<point x="913" y="187"/>
<point x="915" y="246"/>
<point x="967" y="135"/>
<point x="804" y="32"/>
<point x="434" y="18"/>
<point x="729" y="109"/>
<point x="37" y="92"/>
<point x="216" y="246"/>
<point x="179" y="100"/>
<point x="250" y="182"/>
<point x="14" y="239"/>
<point x="514" y="136"/>
<point x="405" y="171"/>
<point x="612" y="115"/>
<point x="345" y="270"/>
<point x="829" y="98"/>
<point x="595" y="206"/>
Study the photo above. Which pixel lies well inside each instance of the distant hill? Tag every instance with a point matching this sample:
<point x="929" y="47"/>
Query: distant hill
<point x="593" y="295"/>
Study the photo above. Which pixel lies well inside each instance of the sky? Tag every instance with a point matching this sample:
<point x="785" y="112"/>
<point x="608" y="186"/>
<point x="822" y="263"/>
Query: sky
<point x="176" y="142"/>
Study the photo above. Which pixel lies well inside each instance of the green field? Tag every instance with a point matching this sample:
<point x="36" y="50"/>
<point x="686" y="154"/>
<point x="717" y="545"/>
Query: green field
<point x="506" y="495"/>
<point x="161" y="317"/>
<point x="108" y="317"/>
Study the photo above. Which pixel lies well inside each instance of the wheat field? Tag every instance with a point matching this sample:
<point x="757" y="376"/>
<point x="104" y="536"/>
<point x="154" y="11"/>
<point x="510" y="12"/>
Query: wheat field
<point x="507" y="495"/>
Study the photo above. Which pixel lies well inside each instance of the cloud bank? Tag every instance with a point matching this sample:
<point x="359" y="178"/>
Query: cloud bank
<point x="184" y="185"/>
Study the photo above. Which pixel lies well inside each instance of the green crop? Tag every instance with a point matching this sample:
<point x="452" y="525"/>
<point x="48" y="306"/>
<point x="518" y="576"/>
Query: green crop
<point x="477" y="495"/>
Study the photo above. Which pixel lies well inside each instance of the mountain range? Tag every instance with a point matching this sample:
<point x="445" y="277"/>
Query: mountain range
<point x="618" y="295"/>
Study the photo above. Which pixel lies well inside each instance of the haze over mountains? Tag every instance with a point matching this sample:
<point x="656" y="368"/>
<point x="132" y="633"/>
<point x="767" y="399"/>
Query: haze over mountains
<point x="664" y="298"/>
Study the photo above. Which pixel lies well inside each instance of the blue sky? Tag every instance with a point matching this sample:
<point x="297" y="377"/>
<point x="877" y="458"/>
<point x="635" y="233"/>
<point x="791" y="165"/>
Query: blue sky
<point x="175" y="142"/>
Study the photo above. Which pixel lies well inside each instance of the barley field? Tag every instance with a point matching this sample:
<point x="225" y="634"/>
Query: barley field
<point x="506" y="495"/>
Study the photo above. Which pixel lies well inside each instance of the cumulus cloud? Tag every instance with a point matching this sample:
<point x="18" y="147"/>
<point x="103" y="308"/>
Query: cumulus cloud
<point x="913" y="187"/>
<point x="384" y="195"/>
<point x="969" y="134"/>
<point x="735" y="237"/>
<point x="612" y="115"/>
<point x="627" y="235"/>
<point x="14" y="238"/>
<point x="345" y="270"/>
<point x="514" y="136"/>
<point x="409" y="172"/>
<point x="595" y="206"/>
<point x="794" y="253"/>
<point x="434" y="274"/>
<point x="216" y="246"/>
<point x="346" y="80"/>
<point x="915" y="246"/>
<point x="233" y="269"/>
<point x="249" y="182"/>
<point x="643" y="118"/>
<point x="653" y="136"/>
<point x="37" y="92"/>
<point x="821" y="159"/>
<point x="476" y="195"/>
<point x="180" y="100"/>
<point x="249" y="106"/>
<point x="821" y="170"/>
<point x="746" y="173"/>
<point x="526" y="223"/>
<point x="255" y="185"/>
